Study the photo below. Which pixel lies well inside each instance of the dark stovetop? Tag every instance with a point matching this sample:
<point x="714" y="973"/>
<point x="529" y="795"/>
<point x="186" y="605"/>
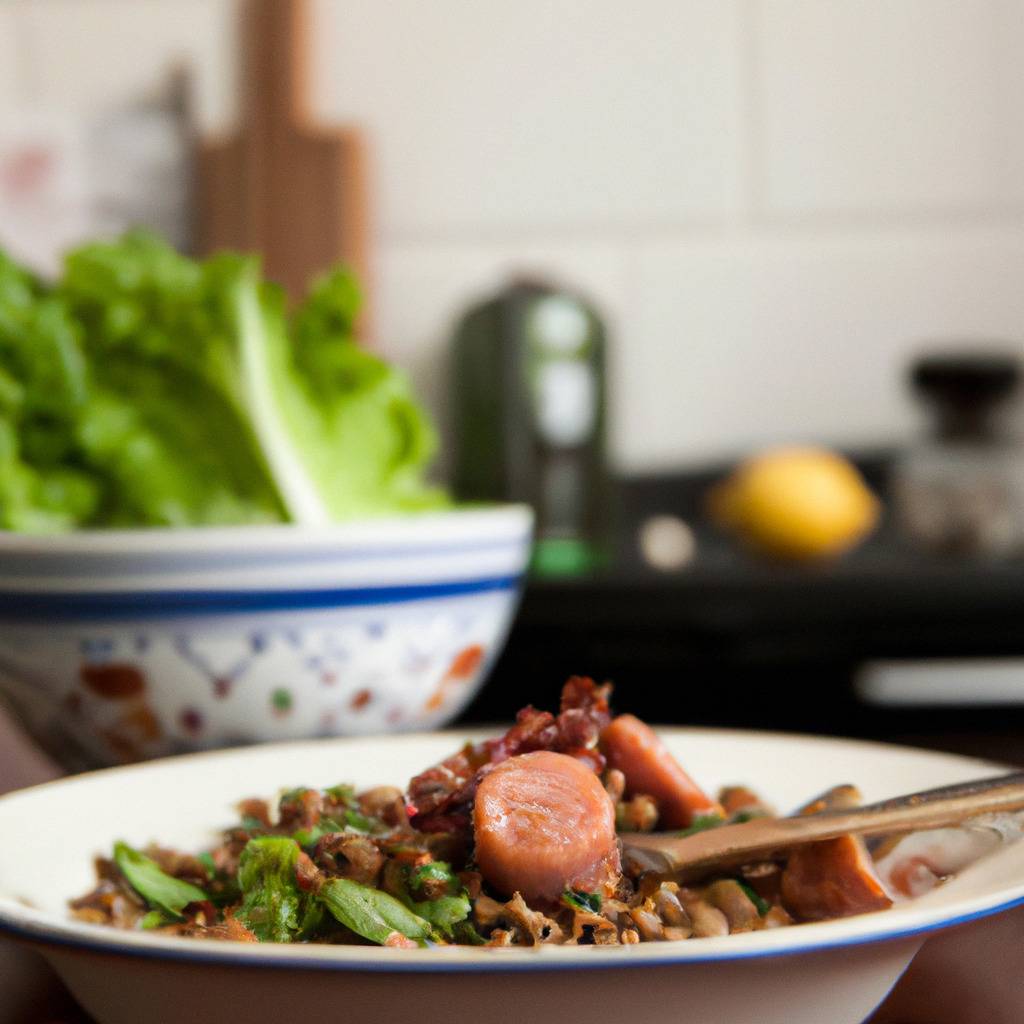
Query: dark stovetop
<point x="736" y="642"/>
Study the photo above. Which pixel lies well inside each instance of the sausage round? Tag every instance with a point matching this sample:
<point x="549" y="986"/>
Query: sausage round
<point x="634" y="748"/>
<point x="834" y="878"/>
<point x="543" y="823"/>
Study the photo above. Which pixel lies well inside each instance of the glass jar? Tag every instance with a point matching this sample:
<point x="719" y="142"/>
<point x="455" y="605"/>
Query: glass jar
<point x="960" y="490"/>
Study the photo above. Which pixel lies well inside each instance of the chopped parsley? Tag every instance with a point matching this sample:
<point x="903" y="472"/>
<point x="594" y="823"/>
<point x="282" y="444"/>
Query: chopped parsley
<point x="589" y="902"/>
<point x="701" y="824"/>
<point x="762" y="905"/>
<point x="164" y="893"/>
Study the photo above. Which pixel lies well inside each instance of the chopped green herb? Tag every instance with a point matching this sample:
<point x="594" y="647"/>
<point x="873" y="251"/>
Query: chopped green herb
<point x="160" y="890"/>
<point x="342" y="794"/>
<point x="464" y="932"/>
<point x="762" y="905"/>
<point x="272" y="904"/>
<point x="436" y="871"/>
<point x="251" y="824"/>
<point x="224" y="891"/>
<point x="371" y="913"/>
<point x="353" y="822"/>
<point x="742" y="817"/>
<point x="443" y="911"/>
<point x="700" y="824"/>
<point x="155" y="919"/>
<point x="312" y="920"/>
<point x="357" y="822"/>
<point x="307" y="837"/>
<point x="589" y="902"/>
<point x="294" y="794"/>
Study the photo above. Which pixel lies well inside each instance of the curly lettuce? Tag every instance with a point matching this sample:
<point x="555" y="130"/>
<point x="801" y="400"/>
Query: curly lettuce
<point x="144" y="388"/>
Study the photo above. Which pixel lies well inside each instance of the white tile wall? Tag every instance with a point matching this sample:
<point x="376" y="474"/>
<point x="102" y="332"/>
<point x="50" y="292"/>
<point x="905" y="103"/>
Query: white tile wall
<point x="773" y="200"/>
<point x="90" y="53"/>
<point x="9" y="60"/>
<point x="803" y="338"/>
<point x="538" y="114"/>
<point x="1010" y="78"/>
<point x="879" y="106"/>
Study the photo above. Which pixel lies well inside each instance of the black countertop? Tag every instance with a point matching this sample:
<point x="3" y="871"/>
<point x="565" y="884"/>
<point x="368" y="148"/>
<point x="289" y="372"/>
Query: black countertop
<point x="734" y="641"/>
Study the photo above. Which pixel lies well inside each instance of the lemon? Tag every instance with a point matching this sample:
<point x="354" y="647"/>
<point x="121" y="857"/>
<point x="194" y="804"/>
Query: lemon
<point x="797" y="503"/>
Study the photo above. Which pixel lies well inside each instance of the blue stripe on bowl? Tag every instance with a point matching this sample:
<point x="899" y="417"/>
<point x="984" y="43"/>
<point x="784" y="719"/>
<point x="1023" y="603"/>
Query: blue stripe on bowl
<point x="20" y="606"/>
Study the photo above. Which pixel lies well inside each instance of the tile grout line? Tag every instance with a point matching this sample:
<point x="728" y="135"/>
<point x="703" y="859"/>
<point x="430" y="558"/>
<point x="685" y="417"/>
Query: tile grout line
<point x="836" y="224"/>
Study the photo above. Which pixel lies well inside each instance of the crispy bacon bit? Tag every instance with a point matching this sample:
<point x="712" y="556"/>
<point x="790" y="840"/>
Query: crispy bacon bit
<point x="307" y="874"/>
<point x="257" y="810"/>
<point x="301" y="809"/>
<point x="385" y="803"/>
<point x="440" y="799"/>
<point x="591" y="757"/>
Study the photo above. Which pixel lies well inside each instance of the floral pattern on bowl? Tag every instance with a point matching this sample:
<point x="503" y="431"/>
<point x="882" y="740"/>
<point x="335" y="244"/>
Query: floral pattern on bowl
<point x="104" y="676"/>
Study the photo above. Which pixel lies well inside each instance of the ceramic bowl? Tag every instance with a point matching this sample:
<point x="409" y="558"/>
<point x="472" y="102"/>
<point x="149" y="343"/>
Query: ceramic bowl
<point x="835" y="971"/>
<point x="120" y="646"/>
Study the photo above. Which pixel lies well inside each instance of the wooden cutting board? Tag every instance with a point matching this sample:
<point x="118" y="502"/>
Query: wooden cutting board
<point x="284" y="186"/>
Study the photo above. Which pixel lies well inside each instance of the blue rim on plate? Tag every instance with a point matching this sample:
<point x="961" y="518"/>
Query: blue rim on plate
<point x="177" y="950"/>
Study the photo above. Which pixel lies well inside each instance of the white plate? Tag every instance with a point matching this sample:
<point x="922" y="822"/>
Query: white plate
<point x="835" y="971"/>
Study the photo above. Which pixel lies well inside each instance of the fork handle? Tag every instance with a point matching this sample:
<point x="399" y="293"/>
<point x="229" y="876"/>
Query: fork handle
<point x="768" y="838"/>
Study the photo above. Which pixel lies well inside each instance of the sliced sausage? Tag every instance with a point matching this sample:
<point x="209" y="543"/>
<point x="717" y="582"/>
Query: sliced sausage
<point x="635" y="749"/>
<point x="835" y="878"/>
<point x="543" y="823"/>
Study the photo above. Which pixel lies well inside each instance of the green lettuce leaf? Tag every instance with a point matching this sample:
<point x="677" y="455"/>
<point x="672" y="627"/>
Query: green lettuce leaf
<point x="443" y="911"/>
<point x="148" y="389"/>
<point x="371" y="913"/>
<point x="43" y="487"/>
<point x="273" y="907"/>
<point x="160" y="890"/>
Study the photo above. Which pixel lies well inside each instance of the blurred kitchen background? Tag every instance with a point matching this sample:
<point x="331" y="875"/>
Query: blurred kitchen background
<point x="620" y="249"/>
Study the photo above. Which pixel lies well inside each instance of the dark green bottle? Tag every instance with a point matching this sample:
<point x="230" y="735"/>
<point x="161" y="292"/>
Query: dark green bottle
<point x="528" y="394"/>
